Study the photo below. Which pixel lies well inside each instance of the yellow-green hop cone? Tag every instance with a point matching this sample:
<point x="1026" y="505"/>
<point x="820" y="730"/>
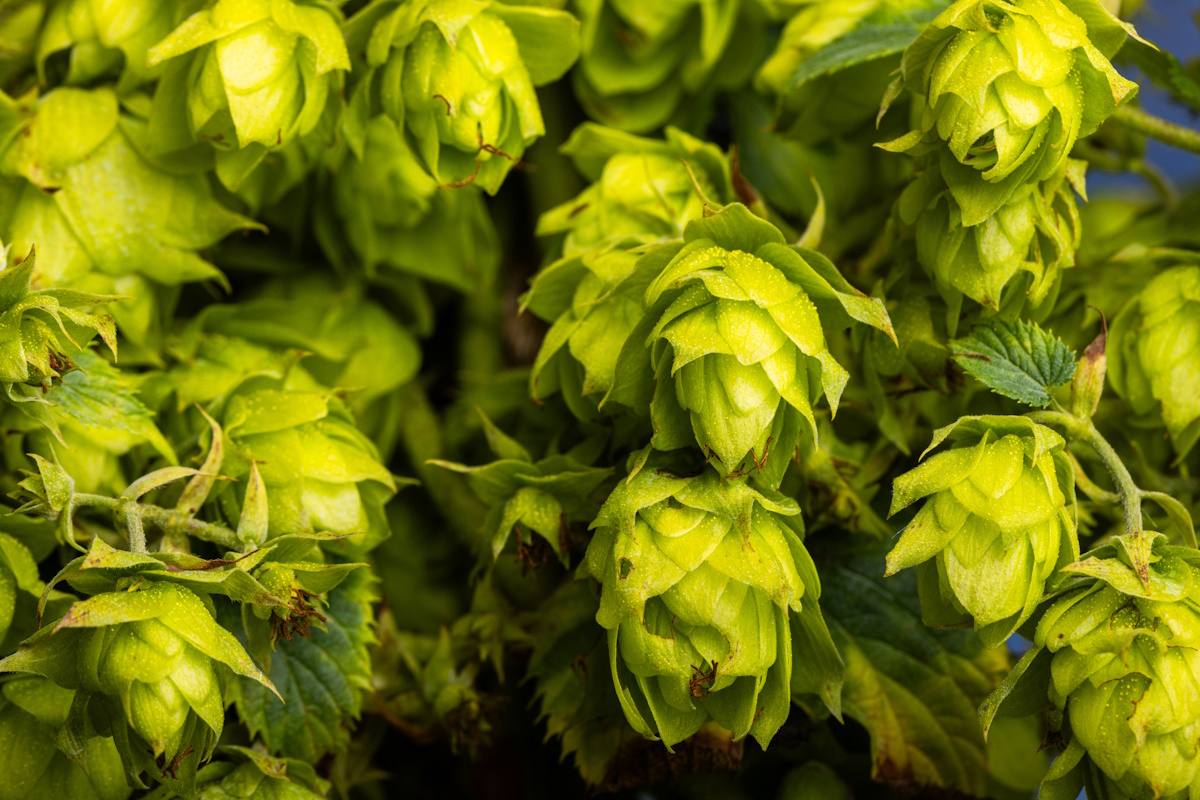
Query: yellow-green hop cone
<point x="320" y="473"/>
<point x="1032" y="237"/>
<point x="156" y="657"/>
<point x="1008" y="88"/>
<point x="258" y="777"/>
<point x="646" y="190"/>
<point x="77" y="181"/>
<point x="1124" y="668"/>
<point x="998" y="522"/>
<point x="1154" y="353"/>
<point x="385" y="211"/>
<point x="105" y="38"/>
<point x="32" y="710"/>
<point x="641" y="63"/>
<point x="699" y="577"/>
<point x="250" y="76"/>
<point x="461" y="78"/>
<point x="733" y="335"/>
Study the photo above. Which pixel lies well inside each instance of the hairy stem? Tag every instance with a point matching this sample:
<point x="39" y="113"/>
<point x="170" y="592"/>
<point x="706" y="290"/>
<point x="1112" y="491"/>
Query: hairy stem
<point x="168" y="520"/>
<point x="1157" y="128"/>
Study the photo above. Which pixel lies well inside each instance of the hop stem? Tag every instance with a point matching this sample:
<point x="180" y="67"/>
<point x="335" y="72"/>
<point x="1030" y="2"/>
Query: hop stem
<point x="168" y="520"/>
<point x="1083" y="430"/>
<point x="1156" y="128"/>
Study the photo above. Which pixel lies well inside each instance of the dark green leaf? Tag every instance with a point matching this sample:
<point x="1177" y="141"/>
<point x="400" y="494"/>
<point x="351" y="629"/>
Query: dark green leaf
<point x="1016" y="359"/>
<point x="321" y="679"/>
<point x="867" y="42"/>
<point x="1164" y="69"/>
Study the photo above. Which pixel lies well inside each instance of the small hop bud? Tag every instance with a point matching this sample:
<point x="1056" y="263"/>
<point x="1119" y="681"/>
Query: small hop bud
<point x="998" y="523"/>
<point x="1088" y="384"/>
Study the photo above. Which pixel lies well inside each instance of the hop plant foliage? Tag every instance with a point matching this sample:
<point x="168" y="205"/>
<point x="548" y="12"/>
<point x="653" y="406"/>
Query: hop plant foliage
<point x="500" y="382"/>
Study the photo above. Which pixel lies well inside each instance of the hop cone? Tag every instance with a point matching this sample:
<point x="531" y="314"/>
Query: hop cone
<point x="998" y="523"/>
<point x="385" y="210"/>
<point x="641" y="62"/>
<point x="248" y="75"/>
<point x="79" y="183"/>
<point x="258" y="777"/>
<point x="320" y="472"/>
<point x="1035" y="234"/>
<point x="32" y="710"/>
<point x="646" y="190"/>
<point x="460" y="78"/>
<point x="698" y="578"/>
<point x="1008" y="88"/>
<point x="1125" y="671"/>
<point x="733" y="335"/>
<point x="153" y="653"/>
<point x="1154" y="353"/>
<point x="102" y="39"/>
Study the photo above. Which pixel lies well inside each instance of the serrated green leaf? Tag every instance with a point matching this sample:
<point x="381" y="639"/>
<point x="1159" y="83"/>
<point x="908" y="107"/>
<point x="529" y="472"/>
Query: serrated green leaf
<point x="320" y="679"/>
<point x="1163" y="69"/>
<point x="1016" y="359"/>
<point x="869" y="41"/>
<point x="97" y="395"/>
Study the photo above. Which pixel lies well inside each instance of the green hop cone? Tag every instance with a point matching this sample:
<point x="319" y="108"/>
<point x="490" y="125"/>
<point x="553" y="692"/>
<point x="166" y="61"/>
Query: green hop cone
<point x="645" y="190"/>
<point x="1033" y="237"/>
<point x="320" y="473"/>
<point x="526" y="497"/>
<point x="428" y="682"/>
<point x="1116" y="655"/>
<point x="1154" y="353"/>
<point x="77" y="181"/>
<point x="1008" y="88"/>
<point x="999" y="522"/>
<point x="32" y="710"/>
<point x="460" y="79"/>
<point x="257" y="777"/>
<point x="353" y="342"/>
<point x="152" y="657"/>
<point x="641" y="63"/>
<point x="699" y="577"/>
<point x="733" y="336"/>
<point x="384" y="210"/>
<point x="250" y="76"/>
<point x="100" y="39"/>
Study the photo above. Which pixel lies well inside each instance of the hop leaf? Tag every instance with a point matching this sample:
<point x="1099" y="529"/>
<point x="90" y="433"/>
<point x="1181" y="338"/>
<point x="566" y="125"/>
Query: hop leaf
<point x="1016" y="359"/>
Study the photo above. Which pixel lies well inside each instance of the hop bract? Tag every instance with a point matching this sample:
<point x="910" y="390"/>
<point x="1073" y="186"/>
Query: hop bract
<point x="698" y="578"/>
<point x="735" y="342"/>
<point x="1125" y="671"/>
<point x="1008" y="88"/>
<point x="460" y="78"/>
<point x="998" y="523"/>
<point x="249" y="76"/>
<point x="1154" y="353"/>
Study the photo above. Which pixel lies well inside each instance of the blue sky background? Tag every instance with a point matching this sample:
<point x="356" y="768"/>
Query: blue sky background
<point x="1172" y="25"/>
